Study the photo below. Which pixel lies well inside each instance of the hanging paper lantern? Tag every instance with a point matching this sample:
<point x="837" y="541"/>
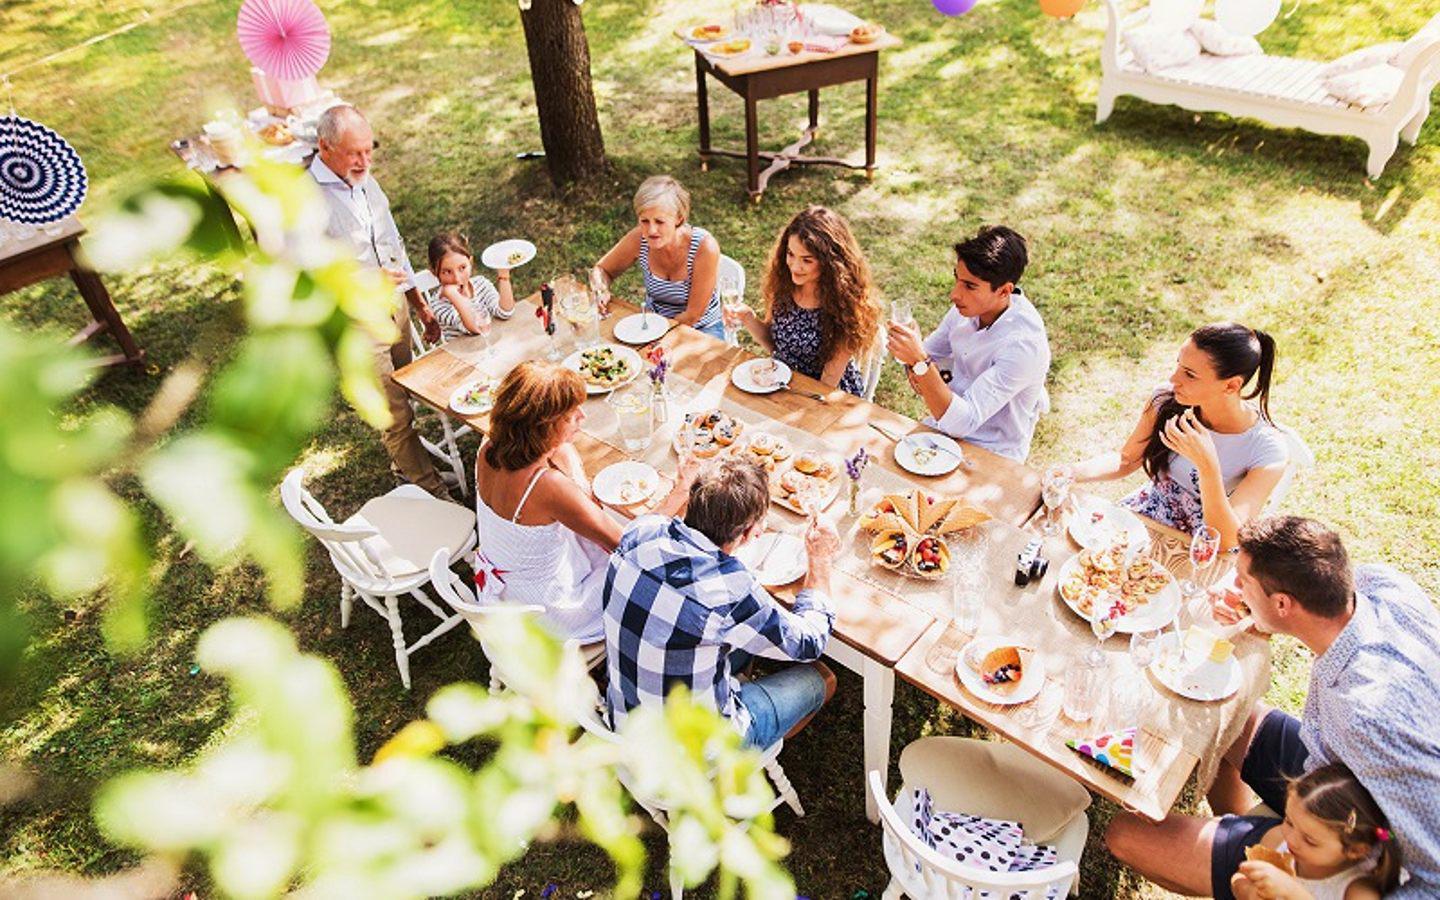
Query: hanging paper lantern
<point x="1249" y="17"/>
<point x="954" y="7"/>
<point x="1175" y="15"/>
<point x="41" y="177"/>
<point x="1061" y="9"/>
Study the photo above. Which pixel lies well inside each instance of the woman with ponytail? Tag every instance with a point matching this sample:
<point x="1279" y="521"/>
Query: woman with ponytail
<point x="1206" y="438"/>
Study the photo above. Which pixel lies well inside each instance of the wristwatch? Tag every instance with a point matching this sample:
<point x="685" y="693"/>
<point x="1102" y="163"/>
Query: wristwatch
<point x="921" y="367"/>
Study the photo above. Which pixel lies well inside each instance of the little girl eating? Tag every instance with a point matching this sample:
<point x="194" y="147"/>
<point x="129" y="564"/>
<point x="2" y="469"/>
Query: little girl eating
<point x="465" y="303"/>
<point x="1334" y="836"/>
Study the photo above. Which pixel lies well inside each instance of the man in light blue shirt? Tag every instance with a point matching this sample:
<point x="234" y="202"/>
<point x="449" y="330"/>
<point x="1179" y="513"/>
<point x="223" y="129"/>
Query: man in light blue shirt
<point x="982" y="372"/>
<point x="1372" y="705"/>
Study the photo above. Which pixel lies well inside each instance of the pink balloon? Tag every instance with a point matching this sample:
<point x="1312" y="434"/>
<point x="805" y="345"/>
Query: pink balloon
<point x="954" y="7"/>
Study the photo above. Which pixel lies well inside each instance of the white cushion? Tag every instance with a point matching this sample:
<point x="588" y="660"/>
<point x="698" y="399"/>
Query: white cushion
<point x="1363" y="58"/>
<point x="1173" y="15"/>
<point x="1411" y="49"/>
<point x="1216" y="40"/>
<point x="1156" y="49"/>
<point x="825" y="19"/>
<point x="1374" y="86"/>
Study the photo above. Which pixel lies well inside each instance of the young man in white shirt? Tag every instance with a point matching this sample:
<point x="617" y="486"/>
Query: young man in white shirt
<point x="982" y="372"/>
<point x="359" y="217"/>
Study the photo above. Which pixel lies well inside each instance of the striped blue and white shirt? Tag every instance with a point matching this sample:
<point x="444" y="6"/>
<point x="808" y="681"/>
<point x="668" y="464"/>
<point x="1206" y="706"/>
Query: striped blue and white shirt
<point x="1374" y="705"/>
<point x="676" y="606"/>
<point x="670" y="298"/>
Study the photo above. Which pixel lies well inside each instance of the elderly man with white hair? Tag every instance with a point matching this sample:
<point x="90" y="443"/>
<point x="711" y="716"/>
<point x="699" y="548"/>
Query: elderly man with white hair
<point x="360" y="218"/>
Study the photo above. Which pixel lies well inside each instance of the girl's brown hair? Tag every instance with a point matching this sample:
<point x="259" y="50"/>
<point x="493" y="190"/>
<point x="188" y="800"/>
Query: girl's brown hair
<point x="1335" y="796"/>
<point x="849" y="307"/>
<point x="444" y="243"/>
<point x="529" y="405"/>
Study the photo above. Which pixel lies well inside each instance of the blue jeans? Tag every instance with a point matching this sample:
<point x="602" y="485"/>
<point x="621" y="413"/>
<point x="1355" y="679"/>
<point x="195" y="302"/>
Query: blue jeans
<point x="715" y="329"/>
<point x="1275" y="756"/>
<point x="777" y="702"/>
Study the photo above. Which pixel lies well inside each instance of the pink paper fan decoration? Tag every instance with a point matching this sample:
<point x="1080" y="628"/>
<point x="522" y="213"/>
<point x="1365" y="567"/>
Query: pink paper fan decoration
<point x="284" y="38"/>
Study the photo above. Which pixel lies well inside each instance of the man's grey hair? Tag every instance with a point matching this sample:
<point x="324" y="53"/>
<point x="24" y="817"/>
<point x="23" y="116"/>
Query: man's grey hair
<point x="336" y="121"/>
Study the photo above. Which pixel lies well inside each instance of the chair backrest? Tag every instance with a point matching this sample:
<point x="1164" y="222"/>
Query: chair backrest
<point x="926" y="874"/>
<point x="874" y="365"/>
<point x="729" y="268"/>
<point x="349" y="545"/>
<point x="429" y="287"/>
<point x="1301" y="458"/>
<point x="460" y="597"/>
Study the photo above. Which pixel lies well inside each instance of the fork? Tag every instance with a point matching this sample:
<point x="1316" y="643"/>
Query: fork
<point x="804" y="393"/>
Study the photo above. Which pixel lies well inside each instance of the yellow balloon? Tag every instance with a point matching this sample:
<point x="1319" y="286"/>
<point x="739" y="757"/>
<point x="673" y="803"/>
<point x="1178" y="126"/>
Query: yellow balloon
<point x="1061" y="9"/>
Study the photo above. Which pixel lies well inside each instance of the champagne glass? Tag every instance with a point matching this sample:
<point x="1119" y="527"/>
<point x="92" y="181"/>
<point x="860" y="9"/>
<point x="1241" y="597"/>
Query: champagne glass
<point x="729" y="302"/>
<point x="1145" y="646"/>
<point x="1054" y="491"/>
<point x="483" y="323"/>
<point x="901" y="313"/>
<point x="1204" y="549"/>
<point x="600" y="290"/>
<point x="1102" y="625"/>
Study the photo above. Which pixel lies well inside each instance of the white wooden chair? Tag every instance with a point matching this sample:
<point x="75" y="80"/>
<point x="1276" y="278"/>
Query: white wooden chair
<point x="445" y="451"/>
<point x="383" y="552"/>
<point x="591" y="721"/>
<point x="1301" y="458"/>
<point x="729" y="268"/>
<point x="874" y="366"/>
<point x="1280" y="90"/>
<point x="982" y="778"/>
<point x="458" y="595"/>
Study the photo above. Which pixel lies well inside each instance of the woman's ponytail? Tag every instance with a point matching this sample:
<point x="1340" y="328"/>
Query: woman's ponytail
<point x="1263" y="373"/>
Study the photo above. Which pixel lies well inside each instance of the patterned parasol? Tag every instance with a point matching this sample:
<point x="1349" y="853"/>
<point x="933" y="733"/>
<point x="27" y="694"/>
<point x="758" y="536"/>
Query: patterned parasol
<point x="41" y="177"/>
<point x="284" y="38"/>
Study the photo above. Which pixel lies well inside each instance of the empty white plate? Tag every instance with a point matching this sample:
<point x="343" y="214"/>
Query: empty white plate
<point x="509" y="254"/>
<point x="783" y="557"/>
<point x="747" y="376"/>
<point x="1097" y="521"/>
<point x="642" y="328"/>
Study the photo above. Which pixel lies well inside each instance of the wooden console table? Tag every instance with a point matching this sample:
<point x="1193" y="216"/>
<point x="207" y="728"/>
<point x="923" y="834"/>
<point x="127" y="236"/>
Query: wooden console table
<point x="755" y="76"/>
<point x="23" y="263"/>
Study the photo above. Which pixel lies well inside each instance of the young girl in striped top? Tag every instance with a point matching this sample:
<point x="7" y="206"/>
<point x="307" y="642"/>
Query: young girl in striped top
<point x="463" y="297"/>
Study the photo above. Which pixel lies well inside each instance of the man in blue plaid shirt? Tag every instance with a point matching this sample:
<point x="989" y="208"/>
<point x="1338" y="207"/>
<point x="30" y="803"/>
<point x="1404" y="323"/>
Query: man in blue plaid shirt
<point x="681" y="610"/>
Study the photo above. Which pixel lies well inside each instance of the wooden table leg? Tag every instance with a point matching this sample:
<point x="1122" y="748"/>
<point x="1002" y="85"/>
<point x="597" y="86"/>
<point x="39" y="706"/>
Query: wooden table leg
<point x="752" y="148"/>
<point x="815" y="110"/>
<point x="702" y="103"/>
<point x="872" y="110"/>
<point x="103" y="310"/>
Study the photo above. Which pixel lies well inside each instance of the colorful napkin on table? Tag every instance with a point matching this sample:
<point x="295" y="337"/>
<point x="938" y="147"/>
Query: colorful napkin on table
<point x="1115" y="749"/>
<point x="993" y="845"/>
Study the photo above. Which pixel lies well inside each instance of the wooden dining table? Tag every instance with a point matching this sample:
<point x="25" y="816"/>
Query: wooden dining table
<point x="882" y="626"/>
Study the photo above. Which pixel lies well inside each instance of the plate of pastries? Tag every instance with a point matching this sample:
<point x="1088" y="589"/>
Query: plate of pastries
<point x="908" y="531"/>
<point x="1139" y="592"/>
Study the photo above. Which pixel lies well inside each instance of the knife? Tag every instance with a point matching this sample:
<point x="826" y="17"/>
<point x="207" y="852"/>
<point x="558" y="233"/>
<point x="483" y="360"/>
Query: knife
<point x="811" y="394"/>
<point x="889" y="434"/>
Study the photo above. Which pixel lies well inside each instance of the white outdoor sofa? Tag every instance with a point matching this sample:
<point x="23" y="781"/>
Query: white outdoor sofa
<point x="1276" y="89"/>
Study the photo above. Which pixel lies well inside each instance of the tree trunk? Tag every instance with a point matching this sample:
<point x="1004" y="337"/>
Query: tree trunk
<point x="564" y="100"/>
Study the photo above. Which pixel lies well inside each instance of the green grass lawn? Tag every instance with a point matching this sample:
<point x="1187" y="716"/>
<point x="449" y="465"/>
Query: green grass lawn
<point x="1139" y="230"/>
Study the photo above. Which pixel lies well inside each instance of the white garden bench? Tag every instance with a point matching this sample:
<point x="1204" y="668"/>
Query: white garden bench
<point x="1276" y="89"/>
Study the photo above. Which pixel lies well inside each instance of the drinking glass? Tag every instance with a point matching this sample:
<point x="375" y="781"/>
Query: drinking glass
<point x="1080" y="682"/>
<point x="1204" y="548"/>
<point x="901" y="313"/>
<point x="1054" y="491"/>
<point x="483" y="322"/>
<point x="600" y="290"/>
<point x="971" y="587"/>
<point x="1145" y="646"/>
<point x="632" y="410"/>
<point x="729" y="300"/>
<point x="574" y="306"/>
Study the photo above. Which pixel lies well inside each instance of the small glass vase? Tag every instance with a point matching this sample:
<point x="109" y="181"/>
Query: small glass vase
<point x="659" y="402"/>
<point x="853" y="495"/>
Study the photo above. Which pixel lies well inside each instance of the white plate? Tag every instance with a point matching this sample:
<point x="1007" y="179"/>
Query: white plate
<point x="1031" y="680"/>
<point x="743" y="376"/>
<point x="784" y="563"/>
<point x="497" y="255"/>
<point x="642" y="328"/>
<point x="1205" y="683"/>
<point x="945" y="454"/>
<point x="625" y="483"/>
<point x="1158" y="613"/>
<point x="1095" y="519"/>
<point x="458" y="404"/>
<point x="637" y="365"/>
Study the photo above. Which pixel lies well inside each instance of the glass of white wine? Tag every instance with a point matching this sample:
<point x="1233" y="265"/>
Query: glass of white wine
<point x="730" y="301"/>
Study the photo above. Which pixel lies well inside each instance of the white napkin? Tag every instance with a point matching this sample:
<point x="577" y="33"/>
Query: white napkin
<point x="831" y="20"/>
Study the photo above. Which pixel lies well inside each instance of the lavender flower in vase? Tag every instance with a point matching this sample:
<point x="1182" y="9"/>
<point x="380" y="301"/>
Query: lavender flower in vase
<point x="659" y="367"/>
<point x="854" y="468"/>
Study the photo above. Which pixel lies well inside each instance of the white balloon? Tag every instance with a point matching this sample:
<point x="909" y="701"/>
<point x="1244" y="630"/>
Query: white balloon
<point x="1249" y="17"/>
<point x="1174" y="15"/>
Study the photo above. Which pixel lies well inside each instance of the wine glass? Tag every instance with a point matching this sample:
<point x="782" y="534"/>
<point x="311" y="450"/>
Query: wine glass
<point x="729" y="301"/>
<point x="1102" y="625"/>
<point x="1054" y="491"/>
<point x="600" y="290"/>
<point x="1145" y="646"/>
<point x="1204" y="548"/>
<point x="483" y="322"/>
<point x="901" y="313"/>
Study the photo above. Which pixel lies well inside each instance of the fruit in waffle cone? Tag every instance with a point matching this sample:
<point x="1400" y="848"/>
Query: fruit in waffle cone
<point x="877" y="522"/>
<point x="933" y="510"/>
<point x="930" y="557"/>
<point x="907" y="507"/>
<point x="960" y="517"/>
<point x="890" y="548"/>
<point x="1003" y="667"/>
<point x="1277" y="858"/>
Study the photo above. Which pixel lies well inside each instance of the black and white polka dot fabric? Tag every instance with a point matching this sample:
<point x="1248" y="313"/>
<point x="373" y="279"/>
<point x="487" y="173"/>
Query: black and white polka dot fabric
<point x="991" y="845"/>
<point x="42" y="179"/>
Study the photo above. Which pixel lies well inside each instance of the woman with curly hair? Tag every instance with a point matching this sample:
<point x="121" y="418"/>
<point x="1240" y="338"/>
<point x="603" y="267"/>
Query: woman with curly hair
<point x="822" y="317"/>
